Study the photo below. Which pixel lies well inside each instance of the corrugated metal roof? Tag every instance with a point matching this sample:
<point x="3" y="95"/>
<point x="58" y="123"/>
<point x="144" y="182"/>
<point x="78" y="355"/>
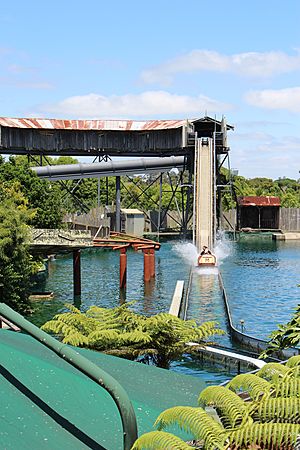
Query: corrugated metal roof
<point x="259" y="201"/>
<point x="109" y="125"/>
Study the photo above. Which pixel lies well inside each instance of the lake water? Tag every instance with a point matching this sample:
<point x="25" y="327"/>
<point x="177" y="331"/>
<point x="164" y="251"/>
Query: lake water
<point x="260" y="277"/>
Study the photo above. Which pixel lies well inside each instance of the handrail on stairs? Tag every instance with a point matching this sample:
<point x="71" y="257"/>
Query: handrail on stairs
<point x="85" y="366"/>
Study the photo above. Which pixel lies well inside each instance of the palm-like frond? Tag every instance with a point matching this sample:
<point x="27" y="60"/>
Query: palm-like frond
<point x="278" y="409"/>
<point x="230" y="407"/>
<point x="76" y="339"/>
<point x="159" y="440"/>
<point x="288" y="388"/>
<point x="195" y="421"/>
<point x="102" y="339"/>
<point x="265" y="435"/>
<point x="272" y="371"/>
<point x="293" y="361"/>
<point x="254" y="385"/>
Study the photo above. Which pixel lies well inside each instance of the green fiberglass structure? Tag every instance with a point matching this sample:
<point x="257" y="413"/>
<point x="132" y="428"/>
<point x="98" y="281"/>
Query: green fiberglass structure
<point x="49" y="403"/>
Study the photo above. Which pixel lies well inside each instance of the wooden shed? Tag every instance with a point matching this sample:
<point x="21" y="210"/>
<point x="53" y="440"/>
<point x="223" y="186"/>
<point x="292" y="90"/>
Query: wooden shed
<point x="258" y="213"/>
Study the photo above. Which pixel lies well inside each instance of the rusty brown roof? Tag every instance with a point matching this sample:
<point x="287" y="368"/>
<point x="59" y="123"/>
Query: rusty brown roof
<point x="259" y="201"/>
<point x="113" y="125"/>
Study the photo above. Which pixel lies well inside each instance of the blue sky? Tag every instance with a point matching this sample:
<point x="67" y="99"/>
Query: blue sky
<point x="162" y="59"/>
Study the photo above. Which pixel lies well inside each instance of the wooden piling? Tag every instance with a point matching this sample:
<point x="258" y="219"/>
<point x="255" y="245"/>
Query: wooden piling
<point x="76" y="272"/>
<point x="147" y="270"/>
<point x="152" y="262"/>
<point x="123" y="268"/>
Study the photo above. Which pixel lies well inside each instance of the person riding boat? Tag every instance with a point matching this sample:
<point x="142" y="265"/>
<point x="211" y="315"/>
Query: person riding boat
<point x="205" y="251"/>
<point x="206" y="257"/>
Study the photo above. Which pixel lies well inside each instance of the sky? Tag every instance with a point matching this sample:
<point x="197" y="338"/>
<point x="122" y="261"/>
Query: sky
<point x="162" y="60"/>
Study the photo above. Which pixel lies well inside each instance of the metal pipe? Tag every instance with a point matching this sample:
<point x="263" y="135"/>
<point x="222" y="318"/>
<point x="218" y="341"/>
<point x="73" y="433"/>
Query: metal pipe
<point x="118" y="204"/>
<point x="159" y="210"/>
<point x="109" y="168"/>
<point x="85" y="366"/>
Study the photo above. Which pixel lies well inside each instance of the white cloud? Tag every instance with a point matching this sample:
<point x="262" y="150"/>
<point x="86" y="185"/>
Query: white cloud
<point x="147" y="103"/>
<point x="269" y="156"/>
<point x="26" y="83"/>
<point x="251" y="64"/>
<point x="287" y="99"/>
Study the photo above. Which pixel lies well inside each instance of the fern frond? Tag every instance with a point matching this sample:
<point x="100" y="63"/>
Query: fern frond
<point x="230" y="407"/>
<point x="265" y="435"/>
<point x="101" y="339"/>
<point x="195" y="421"/>
<point x="272" y="371"/>
<point x="255" y="386"/>
<point x="76" y="339"/>
<point x="278" y="409"/>
<point x="288" y="388"/>
<point x="72" y="308"/>
<point x="159" y="440"/>
<point x="293" y="361"/>
<point x="134" y="337"/>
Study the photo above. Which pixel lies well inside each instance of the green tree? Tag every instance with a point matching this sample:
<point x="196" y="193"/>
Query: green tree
<point x="15" y="260"/>
<point x="119" y="331"/>
<point x="42" y="195"/>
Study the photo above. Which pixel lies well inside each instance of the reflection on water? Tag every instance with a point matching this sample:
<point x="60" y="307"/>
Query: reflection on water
<point x="100" y="281"/>
<point x="261" y="278"/>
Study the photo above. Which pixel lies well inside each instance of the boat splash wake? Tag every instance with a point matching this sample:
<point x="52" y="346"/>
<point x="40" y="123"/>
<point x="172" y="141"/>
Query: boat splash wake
<point x="188" y="252"/>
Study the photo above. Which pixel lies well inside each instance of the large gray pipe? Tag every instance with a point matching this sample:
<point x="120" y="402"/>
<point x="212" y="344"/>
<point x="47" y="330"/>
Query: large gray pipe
<point x="109" y="168"/>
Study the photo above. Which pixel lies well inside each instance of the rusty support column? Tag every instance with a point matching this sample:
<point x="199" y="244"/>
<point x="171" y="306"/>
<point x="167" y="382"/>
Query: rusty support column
<point x="76" y="272"/>
<point x="152" y="262"/>
<point x="147" y="270"/>
<point x="123" y="268"/>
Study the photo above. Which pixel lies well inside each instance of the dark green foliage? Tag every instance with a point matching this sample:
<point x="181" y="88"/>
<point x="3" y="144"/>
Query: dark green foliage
<point x="286" y="189"/>
<point x="286" y="336"/>
<point x="119" y="331"/>
<point x="41" y="195"/>
<point x="15" y="260"/>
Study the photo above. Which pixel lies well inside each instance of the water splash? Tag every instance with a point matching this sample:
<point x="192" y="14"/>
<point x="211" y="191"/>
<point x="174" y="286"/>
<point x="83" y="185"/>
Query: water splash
<point x="223" y="247"/>
<point x="187" y="251"/>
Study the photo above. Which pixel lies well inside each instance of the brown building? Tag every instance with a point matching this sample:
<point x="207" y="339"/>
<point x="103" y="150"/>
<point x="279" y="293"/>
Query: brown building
<point x="259" y="213"/>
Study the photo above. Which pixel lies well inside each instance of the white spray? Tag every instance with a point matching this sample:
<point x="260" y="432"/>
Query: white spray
<point x="189" y="252"/>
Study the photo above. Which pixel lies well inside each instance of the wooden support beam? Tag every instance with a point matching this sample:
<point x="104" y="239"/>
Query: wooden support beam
<point x="123" y="267"/>
<point x="152" y="262"/>
<point x="76" y="272"/>
<point x="147" y="271"/>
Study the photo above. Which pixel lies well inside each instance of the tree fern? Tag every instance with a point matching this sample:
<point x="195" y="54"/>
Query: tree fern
<point x="265" y="435"/>
<point x="278" y="409"/>
<point x="77" y="339"/>
<point x="272" y="371"/>
<point x="293" y="361"/>
<point x="230" y="407"/>
<point x="161" y="338"/>
<point x="195" y="421"/>
<point x="254" y="385"/>
<point x="159" y="440"/>
<point x="288" y="388"/>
